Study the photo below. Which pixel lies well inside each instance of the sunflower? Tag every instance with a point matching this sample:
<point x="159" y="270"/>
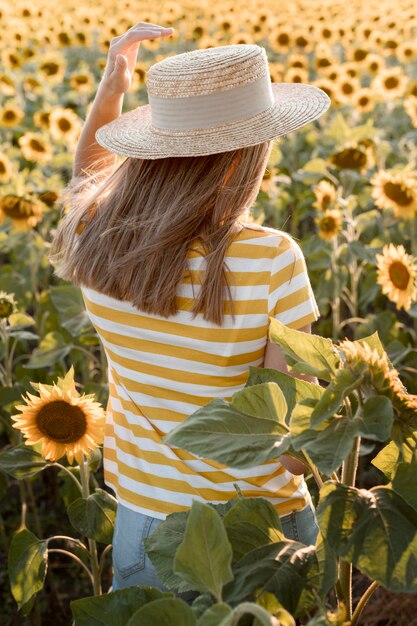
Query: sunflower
<point x="329" y="223"/>
<point x="7" y="304"/>
<point x="35" y="147"/>
<point x="296" y="75"/>
<point x="397" y="274"/>
<point x="378" y="374"/>
<point x="6" y="168"/>
<point x="410" y="107"/>
<point x="41" y="119"/>
<point x="345" y="88"/>
<point x="395" y="190"/>
<point x="297" y="60"/>
<point x="325" y="194"/>
<point x="82" y="82"/>
<point x="33" y="87"/>
<point x="64" y="124"/>
<point x="390" y="82"/>
<point x="24" y="213"/>
<point x="374" y="63"/>
<point x="11" y="115"/>
<point x="353" y="157"/>
<point x="51" y="68"/>
<point x="364" y="100"/>
<point x="62" y="420"/>
<point x="406" y="51"/>
<point x="7" y="86"/>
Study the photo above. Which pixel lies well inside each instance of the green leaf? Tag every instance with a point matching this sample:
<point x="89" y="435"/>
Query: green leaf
<point x="294" y="389"/>
<point x="251" y="523"/>
<point x="359" y="523"/>
<point x="52" y="348"/>
<point x="333" y="396"/>
<point x="162" y="546"/>
<point x="329" y="443"/>
<point x="264" y="400"/>
<point x="387" y="459"/>
<point x="271" y="604"/>
<point x="288" y="569"/>
<point x="214" y="615"/>
<point x="11" y="394"/>
<point x="377" y="418"/>
<point x="164" y="612"/>
<point x="328" y="568"/>
<point x="69" y="303"/>
<point x="221" y="432"/>
<point x="405" y="482"/>
<point x="27" y="565"/>
<point x="115" y="608"/>
<point x="204" y="557"/>
<point x="315" y="351"/>
<point x="94" y="516"/>
<point x="21" y="461"/>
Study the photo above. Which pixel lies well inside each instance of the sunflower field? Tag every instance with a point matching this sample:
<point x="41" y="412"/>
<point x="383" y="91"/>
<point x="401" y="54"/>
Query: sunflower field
<point x="345" y="186"/>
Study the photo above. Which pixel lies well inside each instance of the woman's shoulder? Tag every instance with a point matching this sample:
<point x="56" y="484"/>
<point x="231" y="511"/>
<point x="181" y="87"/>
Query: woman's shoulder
<point x="268" y="231"/>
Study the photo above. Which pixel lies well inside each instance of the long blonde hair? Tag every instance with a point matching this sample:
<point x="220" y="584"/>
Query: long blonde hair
<point x="129" y="226"/>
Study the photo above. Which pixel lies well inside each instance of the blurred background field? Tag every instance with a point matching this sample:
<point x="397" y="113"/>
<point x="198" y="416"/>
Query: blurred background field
<point x="345" y="187"/>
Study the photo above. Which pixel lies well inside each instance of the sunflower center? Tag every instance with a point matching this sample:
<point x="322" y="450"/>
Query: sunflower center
<point x="61" y="422"/>
<point x="2" y="168"/>
<point x="399" y="274"/>
<point x="391" y="82"/>
<point x="37" y="146"/>
<point x="399" y="194"/>
<point x="328" y="224"/>
<point x="9" y="115"/>
<point x="64" y="124"/>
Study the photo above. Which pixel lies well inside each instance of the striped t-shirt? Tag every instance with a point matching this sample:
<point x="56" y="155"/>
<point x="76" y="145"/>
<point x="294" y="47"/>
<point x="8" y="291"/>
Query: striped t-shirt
<point x="161" y="370"/>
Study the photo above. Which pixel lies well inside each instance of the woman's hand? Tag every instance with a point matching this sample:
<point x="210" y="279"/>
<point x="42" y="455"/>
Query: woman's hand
<point x="122" y="56"/>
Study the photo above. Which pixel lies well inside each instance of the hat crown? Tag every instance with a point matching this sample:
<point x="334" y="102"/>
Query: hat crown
<point x="207" y="70"/>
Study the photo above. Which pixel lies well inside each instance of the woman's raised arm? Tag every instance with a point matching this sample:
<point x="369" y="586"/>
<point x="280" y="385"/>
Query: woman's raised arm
<point x="108" y="101"/>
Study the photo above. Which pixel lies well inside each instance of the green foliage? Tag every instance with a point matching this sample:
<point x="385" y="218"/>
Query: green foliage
<point x="27" y="565"/>
<point x="116" y="608"/>
<point x="94" y="516"/>
<point x="204" y="557"/>
<point x="21" y="461"/>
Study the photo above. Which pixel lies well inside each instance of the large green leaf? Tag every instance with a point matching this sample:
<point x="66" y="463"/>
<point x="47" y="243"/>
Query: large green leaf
<point x="333" y="396"/>
<point x="387" y="459"/>
<point x="21" y="461"/>
<point x="360" y="524"/>
<point x="307" y="349"/>
<point x="51" y="349"/>
<point x="327" y="560"/>
<point x="94" y="516"/>
<point x="251" y="523"/>
<point x="221" y="432"/>
<point x="214" y="615"/>
<point x="204" y="557"/>
<point x="264" y="400"/>
<point x="68" y="301"/>
<point x="164" y="612"/>
<point x="162" y="546"/>
<point x="115" y="608"/>
<point x="294" y="389"/>
<point x="405" y="482"/>
<point x="330" y="442"/>
<point x="288" y="569"/>
<point x="27" y="565"/>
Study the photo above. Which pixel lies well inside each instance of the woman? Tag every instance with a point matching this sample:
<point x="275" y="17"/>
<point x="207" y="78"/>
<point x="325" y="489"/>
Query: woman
<point x="178" y="287"/>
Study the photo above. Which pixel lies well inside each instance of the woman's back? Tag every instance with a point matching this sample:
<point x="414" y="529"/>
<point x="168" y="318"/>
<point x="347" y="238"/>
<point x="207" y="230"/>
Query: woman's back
<point x="162" y="370"/>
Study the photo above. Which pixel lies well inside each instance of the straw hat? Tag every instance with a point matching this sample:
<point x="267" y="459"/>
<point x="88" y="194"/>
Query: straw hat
<point x="211" y="100"/>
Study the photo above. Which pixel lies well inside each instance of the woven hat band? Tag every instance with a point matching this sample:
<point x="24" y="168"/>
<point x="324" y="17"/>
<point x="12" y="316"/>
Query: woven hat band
<point x="212" y="109"/>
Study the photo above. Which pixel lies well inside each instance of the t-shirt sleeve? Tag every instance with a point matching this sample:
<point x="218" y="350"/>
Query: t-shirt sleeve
<point x="291" y="298"/>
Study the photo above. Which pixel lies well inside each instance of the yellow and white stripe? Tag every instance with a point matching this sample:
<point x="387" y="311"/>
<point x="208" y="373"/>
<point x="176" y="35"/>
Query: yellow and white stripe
<point x="161" y="370"/>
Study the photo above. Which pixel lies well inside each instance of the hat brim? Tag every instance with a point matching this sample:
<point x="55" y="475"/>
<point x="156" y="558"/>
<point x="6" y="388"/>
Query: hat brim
<point x="132" y="133"/>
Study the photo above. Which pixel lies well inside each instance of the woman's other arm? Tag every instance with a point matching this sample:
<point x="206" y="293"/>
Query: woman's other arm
<point x="274" y="358"/>
<point x="108" y="102"/>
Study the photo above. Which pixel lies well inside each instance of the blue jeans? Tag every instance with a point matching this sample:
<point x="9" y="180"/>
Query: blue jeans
<point x="132" y="566"/>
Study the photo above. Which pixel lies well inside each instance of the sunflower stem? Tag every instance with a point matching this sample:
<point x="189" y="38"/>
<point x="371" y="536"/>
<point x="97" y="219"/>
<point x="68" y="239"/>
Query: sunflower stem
<point x="38" y="525"/>
<point x="362" y="602"/>
<point x="73" y="540"/>
<point x="336" y="296"/>
<point x="74" y="478"/>
<point x="75" y="557"/>
<point x="95" y="569"/>
<point x="314" y="470"/>
<point x="103" y="554"/>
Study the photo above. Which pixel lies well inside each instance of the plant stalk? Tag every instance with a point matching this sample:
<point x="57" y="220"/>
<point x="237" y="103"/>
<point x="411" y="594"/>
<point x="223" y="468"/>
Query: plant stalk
<point x="95" y="569"/>
<point x="362" y="602"/>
